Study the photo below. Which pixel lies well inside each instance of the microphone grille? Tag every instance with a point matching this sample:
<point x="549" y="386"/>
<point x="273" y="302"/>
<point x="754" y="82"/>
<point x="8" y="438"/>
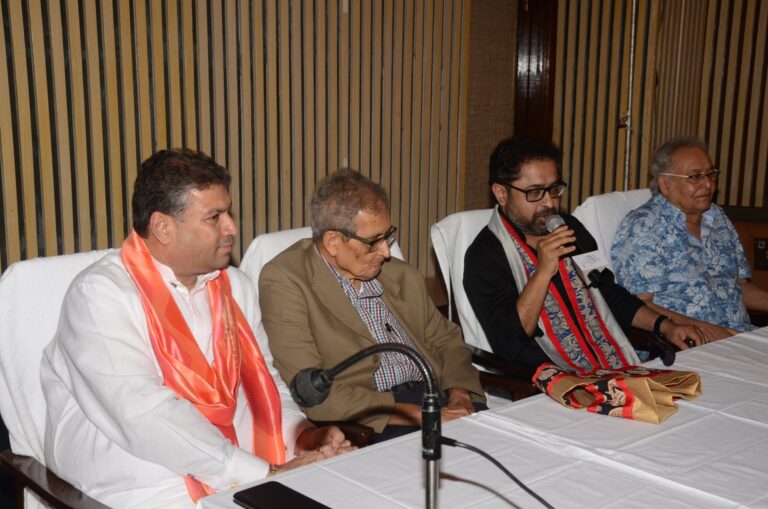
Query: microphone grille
<point x="554" y="222"/>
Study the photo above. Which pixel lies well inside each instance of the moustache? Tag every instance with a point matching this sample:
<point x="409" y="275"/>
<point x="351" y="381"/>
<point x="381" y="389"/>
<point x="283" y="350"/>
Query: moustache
<point x="544" y="213"/>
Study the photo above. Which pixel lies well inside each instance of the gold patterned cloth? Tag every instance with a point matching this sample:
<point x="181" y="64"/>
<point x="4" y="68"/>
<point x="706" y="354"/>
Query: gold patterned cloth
<point x="634" y="392"/>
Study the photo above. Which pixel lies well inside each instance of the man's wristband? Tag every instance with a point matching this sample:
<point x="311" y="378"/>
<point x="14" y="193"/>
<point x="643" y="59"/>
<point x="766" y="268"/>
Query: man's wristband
<point x="657" y="326"/>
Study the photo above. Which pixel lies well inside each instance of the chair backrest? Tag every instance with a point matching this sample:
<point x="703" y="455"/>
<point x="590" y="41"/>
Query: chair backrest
<point x="268" y="245"/>
<point x="602" y="214"/>
<point x="31" y="293"/>
<point x="450" y="238"/>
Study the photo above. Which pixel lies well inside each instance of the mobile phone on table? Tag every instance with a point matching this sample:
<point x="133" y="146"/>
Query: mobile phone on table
<point x="274" y="495"/>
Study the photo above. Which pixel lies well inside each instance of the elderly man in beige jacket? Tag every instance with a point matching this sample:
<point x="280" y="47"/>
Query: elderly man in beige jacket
<point x="327" y="298"/>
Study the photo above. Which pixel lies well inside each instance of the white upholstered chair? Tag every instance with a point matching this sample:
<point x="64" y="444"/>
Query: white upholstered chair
<point x="265" y="247"/>
<point x="602" y="214"/>
<point x="450" y="239"/>
<point x="31" y="293"/>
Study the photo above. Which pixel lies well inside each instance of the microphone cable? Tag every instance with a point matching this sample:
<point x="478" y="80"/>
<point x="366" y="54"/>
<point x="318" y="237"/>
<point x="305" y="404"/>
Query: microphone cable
<point x="455" y="443"/>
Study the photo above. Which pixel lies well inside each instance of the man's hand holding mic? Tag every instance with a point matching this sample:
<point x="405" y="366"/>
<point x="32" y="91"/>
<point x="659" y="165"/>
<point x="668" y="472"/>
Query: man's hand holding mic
<point x="561" y="242"/>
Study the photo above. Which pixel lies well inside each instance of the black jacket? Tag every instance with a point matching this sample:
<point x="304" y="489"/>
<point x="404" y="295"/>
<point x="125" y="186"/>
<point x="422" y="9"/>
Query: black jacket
<point x="492" y="292"/>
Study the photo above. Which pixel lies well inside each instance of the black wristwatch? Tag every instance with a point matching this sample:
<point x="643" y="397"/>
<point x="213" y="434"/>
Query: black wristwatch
<point x="657" y="327"/>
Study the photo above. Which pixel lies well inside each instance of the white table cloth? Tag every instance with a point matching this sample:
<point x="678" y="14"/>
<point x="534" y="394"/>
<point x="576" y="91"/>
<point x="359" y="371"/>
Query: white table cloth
<point x="712" y="453"/>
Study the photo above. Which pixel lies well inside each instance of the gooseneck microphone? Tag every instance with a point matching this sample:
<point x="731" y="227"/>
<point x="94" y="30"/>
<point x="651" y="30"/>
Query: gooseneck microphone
<point x="311" y="386"/>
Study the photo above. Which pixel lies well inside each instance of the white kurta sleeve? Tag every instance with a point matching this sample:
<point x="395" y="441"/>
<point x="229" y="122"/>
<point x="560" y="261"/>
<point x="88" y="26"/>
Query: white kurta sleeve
<point x="102" y="354"/>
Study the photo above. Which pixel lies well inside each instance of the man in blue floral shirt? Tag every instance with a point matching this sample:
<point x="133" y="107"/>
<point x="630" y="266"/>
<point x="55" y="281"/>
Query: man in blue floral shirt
<point x="680" y="251"/>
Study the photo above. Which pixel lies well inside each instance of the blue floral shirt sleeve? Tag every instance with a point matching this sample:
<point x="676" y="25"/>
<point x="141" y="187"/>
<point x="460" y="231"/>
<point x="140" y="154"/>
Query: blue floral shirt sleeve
<point x="653" y="252"/>
<point x="636" y="261"/>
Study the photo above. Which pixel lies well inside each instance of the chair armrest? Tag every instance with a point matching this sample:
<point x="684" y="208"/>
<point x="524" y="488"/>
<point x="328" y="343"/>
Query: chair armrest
<point x="358" y="434"/>
<point x="758" y="318"/>
<point x="641" y="339"/>
<point x="29" y="473"/>
<point x="500" y="365"/>
<point x="505" y="375"/>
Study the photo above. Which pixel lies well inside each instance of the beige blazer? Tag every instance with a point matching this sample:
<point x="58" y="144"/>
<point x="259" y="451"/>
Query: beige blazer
<point x="311" y="323"/>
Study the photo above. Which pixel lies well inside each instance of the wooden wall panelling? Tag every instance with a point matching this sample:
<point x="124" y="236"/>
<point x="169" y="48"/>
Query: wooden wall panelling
<point x="272" y="134"/>
<point x="423" y="167"/>
<point x="374" y="101"/>
<point x="11" y="223"/>
<point x="129" y="155"/>
<point x="23" y="128"/>
<point x="344" y="97"/>
<point x="258" y="70"/>
<point x="600" y="173"/>
<point x="398" y="106"/>
<point x="44" y="175"/>
<point x="616" y="109"/>
<point x="403" y="204"/>
<point x="119" y="223"/>
<point x="298" y="110"/>
<point x="309" y="155"/>
<point x="279" y="92"/>
<point x="366" y="119"/>
<point x="234" y="133"/>
<point x="387" y="93"/>
<point x="245" y="122"/>
<point x="189" y="73"/>
<point x="205" y="143"/>
<point x="63" y="154"/>
<point x="459" y="106"/>
<point x="172" y="57"/>
<point x="354" y="85"/>
<point x="96" y="128"/>
<point x="333" y="160"/>
<point x="752" y="145"/>
<point x="592" y="92"/>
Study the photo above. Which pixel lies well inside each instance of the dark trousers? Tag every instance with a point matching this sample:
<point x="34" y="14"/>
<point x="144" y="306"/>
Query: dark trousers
<point x="410" y="392"/>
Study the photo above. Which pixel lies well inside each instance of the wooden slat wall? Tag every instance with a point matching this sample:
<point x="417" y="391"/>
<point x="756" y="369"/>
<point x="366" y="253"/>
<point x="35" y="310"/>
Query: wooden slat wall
<point x="734" y="99"/>
<point x="591" y="93"/>
<point x="713" y="84"/>
<point x="700" y="70"/>
<point x="281" y="92"/>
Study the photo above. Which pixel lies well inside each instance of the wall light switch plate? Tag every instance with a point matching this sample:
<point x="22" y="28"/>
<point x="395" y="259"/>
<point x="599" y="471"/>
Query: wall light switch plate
<point x="761" y="254"/>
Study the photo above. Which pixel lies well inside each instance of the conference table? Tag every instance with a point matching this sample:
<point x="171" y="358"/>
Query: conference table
<point x="712" y="453"/>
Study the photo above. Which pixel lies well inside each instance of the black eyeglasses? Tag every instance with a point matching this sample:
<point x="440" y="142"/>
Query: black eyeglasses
<point x="556" y="190"/>
<point x="696" y="178"/>
<point x="376" y="242"/>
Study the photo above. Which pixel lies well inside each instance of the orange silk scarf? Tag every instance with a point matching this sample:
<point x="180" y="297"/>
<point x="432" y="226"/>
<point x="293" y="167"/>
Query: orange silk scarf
<point x="236" y="355"/>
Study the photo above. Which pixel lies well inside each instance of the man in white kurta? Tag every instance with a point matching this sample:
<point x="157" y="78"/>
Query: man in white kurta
<point x="114" y="429"/>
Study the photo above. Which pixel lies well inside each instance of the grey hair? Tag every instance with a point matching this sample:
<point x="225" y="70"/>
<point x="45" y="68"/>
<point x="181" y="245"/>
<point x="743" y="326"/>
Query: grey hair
<point x="662" y="157"/>
<point x="340" y="197"/>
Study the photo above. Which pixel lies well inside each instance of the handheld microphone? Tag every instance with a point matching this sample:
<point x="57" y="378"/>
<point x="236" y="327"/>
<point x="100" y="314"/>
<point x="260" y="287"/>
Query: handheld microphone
<point x="589" y="262"/>
<point x="311" y="386"/>
<point x="553" y="223"/>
